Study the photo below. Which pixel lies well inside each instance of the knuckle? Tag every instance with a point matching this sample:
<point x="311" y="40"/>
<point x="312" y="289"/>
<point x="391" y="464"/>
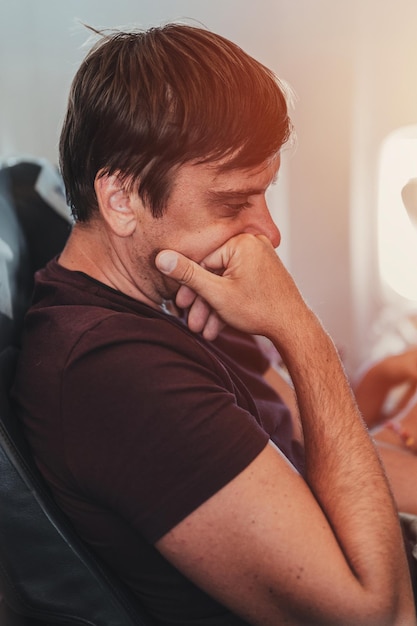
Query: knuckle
<point x="188" y="274"/>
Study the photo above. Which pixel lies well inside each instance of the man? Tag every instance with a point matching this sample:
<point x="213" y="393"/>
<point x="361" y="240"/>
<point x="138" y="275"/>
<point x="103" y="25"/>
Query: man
<point x="149" y="407"/>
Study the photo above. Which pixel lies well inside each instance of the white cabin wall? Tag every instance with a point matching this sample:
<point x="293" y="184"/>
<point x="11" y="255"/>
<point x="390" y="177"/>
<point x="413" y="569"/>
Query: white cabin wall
<point x="353" y="66"/>
<point x="385" y="99"/>
<point x="319" y="41"/>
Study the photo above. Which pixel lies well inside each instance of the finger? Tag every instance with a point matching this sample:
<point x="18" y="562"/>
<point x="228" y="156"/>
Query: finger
<point x="184" y="270"/>
<point x="185" y="297"/>
<point x="213" y="326"/>
<point x="198" y="315"/>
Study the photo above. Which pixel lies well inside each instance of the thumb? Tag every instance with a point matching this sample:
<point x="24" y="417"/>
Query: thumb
<point x="166" y="261"/>
<point x="180" y="268"/>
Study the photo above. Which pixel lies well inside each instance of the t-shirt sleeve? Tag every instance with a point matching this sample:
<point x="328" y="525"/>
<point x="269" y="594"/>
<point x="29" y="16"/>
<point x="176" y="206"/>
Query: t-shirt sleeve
<point x="156" y="424"/>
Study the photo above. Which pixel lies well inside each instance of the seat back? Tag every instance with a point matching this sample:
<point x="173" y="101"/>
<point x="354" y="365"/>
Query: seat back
<point x="34" y="226"/>
<point x="46" y="572"/>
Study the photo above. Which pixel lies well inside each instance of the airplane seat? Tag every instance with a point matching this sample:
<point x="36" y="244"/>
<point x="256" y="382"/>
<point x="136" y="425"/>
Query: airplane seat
<point x="48" y="576"/>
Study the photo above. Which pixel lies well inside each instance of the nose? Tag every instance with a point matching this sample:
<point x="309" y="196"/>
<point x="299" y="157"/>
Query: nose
<point x="261" y="223"/>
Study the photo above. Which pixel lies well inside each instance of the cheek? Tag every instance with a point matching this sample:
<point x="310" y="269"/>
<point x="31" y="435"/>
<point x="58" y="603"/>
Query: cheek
<point x="206" y="240"/>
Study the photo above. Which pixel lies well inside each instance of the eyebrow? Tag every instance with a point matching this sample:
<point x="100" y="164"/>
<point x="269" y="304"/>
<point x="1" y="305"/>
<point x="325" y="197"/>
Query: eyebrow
<point x="229" y="194"/>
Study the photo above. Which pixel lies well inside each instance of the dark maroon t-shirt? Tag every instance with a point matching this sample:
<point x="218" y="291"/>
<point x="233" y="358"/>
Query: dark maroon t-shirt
<point x="135" y="421"/>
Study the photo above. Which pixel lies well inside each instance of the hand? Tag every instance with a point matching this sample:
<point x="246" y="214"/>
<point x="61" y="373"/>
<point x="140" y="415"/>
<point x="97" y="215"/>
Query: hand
<point x="243" y="283"/>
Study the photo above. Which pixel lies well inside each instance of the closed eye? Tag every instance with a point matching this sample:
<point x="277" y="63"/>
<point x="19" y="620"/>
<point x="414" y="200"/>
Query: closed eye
<point x="239" y="206"/>
<point x="235" y="200"/>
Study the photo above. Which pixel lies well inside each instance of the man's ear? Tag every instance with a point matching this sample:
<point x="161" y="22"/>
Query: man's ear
<point x="115" y="204"/>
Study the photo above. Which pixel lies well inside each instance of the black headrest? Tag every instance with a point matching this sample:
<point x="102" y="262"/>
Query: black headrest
<point x="34" y="226"/>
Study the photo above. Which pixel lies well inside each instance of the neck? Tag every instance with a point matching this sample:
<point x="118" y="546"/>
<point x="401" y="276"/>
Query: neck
<point x="92" y="251"/>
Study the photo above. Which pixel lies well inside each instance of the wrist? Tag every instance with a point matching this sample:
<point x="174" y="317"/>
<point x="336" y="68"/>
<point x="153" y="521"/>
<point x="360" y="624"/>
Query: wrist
<point x="302" y="335"/>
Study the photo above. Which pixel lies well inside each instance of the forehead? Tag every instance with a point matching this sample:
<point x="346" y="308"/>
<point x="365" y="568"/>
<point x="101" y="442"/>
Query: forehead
<point x="265" y="173"/>
<point x="213" y="176"/>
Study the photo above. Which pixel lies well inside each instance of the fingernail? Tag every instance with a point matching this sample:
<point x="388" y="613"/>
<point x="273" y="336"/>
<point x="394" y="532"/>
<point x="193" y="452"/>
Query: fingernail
<point x="167" y="261"/>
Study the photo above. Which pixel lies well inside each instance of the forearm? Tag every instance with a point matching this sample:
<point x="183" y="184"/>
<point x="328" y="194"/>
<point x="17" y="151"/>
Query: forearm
<point x="371" y="392"/>
<point x="342" y="468"/>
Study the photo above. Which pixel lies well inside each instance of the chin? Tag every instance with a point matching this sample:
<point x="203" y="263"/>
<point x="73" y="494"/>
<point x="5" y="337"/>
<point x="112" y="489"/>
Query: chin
<point x="169" y="288"/>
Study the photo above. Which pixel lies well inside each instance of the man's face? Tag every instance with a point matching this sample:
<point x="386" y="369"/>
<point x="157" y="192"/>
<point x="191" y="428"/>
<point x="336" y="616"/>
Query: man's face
<point x="205" y="209"/>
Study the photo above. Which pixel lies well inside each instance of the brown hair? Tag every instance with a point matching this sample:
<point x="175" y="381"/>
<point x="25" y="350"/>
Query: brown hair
<point x="143" y="103"/>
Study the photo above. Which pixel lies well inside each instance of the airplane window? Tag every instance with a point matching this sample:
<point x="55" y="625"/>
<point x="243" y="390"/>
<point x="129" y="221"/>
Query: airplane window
<point x="397" y="237"/>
